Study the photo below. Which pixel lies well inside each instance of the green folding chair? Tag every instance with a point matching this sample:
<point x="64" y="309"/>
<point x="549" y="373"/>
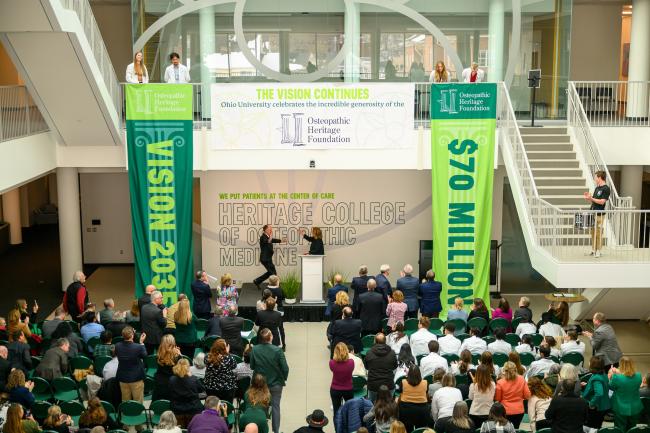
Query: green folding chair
<point x="489" y="339"/>
<point x="555" y="359"/>
<point x="499" y="359"/>
<point x="99" y="364"/>
<point x="359" y="386"/>
<point x="209" y="341"/>
<point x="94" y="341"/>
<point x="248" y="327"/>
<point x="151" y="364"/>
<point x="477" y="322"/>
<point x="526" y="358"/>
<point x="80" y="362"/>
<point x="65" y="389"/>
<point x="39" y="410"/>
<point x="450" y="357"/>
<point x="459" y="324"/>
<point x="110" y="409"/>
<point x="74" y="325"/>
<point x="514" y="323"/>
<point x="237" y="359"/>
<point x="148" y="387"/>
<point x="201" y="326"/>
<point x="230" y="418"/>
<point x="498" y="323"/>
<point x="572" y="358"/>
<point x="462" y="337"/>
<point x="610" y="430"/>
<point x="638" y="429"/>
<point x="428" y="378"/>
<point x="156" y="409"/>
<point x="367" y="341"/>
<point x="117" y="431"/>
<point x="419" y="358"/>
<point x="545" y="430"/>
<point x="420" y="430"/>
<point x="73" y="409"/>
<point x="42" y="390"/>
<point x="513" y="339"/>
<point x="410" y="326"/>
<point x="537" y="340"/>
<point x="132" y="413"/>
<point x="435" y="325"/>
<point x="476" y="358"/>
<point x="462" y="379"/>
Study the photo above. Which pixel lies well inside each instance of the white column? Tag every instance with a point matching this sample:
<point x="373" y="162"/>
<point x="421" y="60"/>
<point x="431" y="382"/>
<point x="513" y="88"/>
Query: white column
<point x="496" y="31"/>
<point x="206" y="47"/>
<point x="69" y="223"/>
<point x="639" y="69"/>
<point x="632" y="183"/>
<point x="353" y="35"/>
<point x="11" y="214"/>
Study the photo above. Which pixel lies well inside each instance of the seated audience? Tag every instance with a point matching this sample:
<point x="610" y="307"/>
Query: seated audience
<point x="49" y="326"/>
<point x="548" y="327"/>
<point x="315" y="423"/>
<point x="540" y="399"/>
<point x="198" y="366"/>
<point x="624" y="381"/>
<point x="397" y="338"/>
<point x="436" y="381"/>
<point x="167" y="423"/>
<point x="56" y="420"/>
<point x="412" y="407"/>
<point x="405" y="360"/>
<point x="342" y="367"/>
<point x="511" y="392"/>
<point x="19" y="390"/>
<point x="433" y="360"/>
<point x="383" y="412"/>
<point x="220" y="379"/>
<point x="479" y="310"/>
<point x="567" y="412"/>
<point x="16" y="423"/>
<point x="429" y="293"/>
<point x="497" y="421"/>
<point x="552" y="376"/>
<point x="110" y="368"/>
<point x="526" y="345"/>
<point x="474" y="343"/>
<point x="444" y="400"/>
<point x="214" y="330"/>
<point x="523" y="310"/>
<point x="596" y="393"/>
<point x="561" y="312"/>
<point x="551" y="342"/>
<point x="499" y="345"/>
<point x="243" y="368"/>
<point x="19" y="353"/>
<point x="542" y="365"/>
<point x="568" y="372"/>
<point x="105" y="347"/>
<point x="486" y="359"/>
<point x="419" y="340"/>
<point x="256" y="402"/>
<point x="463" y="365"/>
<point x="167" y="357"/>
<point x="211" y="420"/>
<point x="95" y="415"/>
<point x="55" y="361"/>
<point x="380" y="363"/>
<point x="502" y="311"/>
<point x="525" y="327"/>
<point x="185" y="334"/>
<point x="572" y="344"/>
<point x="396" y="309"/>
<point x="91" y="328"/>
<point x="449" y="344"/>
<point x="184" y="394"/>
<point x="460" y="422"/>
<point x="481" y="392"/>
<point x="64" y="330"/>
<point x="457" y="311"/>
<point x="359" y="368"/>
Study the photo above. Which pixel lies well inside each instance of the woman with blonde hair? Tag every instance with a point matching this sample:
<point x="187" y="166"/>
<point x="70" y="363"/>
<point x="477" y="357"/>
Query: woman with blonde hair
<point x="186" y="391"/>
<point x="439" y="73"/>
<point x="342" y="367"/>
<point x="397" y="427"/>
<point x="625" y="381"/>
<point x="56" y="420"/>
<point x="460" y="422"/>
<point x="316" y="247"/>
<point x="540" y="400"/>
<point x="342" y="300"/>
<point x="136" y="72"/>
<point x="220" y="379"/>
<point x="511" y="392"/>
<point x="15" y="422"/>
<point x="15" y="323"/>
<point x="396" y="309"/>
<point x="167" y="423"/>
<point x="185" y="329"/>
<point x="227" y="294"/>
<point x="168" y="356"/>
<point x="457" y="310"/>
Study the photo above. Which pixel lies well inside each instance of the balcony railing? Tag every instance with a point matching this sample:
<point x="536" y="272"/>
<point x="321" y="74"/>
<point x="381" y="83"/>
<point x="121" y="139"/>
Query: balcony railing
<point x="615" y="103"/>
<point x="19" y="116"/>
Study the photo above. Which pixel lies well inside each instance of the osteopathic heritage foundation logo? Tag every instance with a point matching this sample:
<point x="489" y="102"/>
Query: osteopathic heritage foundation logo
<point x="292" y="134"/>
<point x="448" y="102"/>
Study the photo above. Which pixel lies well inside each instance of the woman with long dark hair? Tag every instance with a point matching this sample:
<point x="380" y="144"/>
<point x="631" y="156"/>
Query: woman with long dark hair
<point x="412" y="408"/>
<point x="220" y="379"/>
<point x="384" y="411"/>
<point x="497" y="421"/>
<point x="405" y="360"/>
<point x="481" y="392"/>
<point x="540" y="399"/>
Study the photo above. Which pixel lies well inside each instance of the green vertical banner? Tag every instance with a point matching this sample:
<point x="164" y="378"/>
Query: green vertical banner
<point x="159" y="141"/>
<point x="463" y="122"/>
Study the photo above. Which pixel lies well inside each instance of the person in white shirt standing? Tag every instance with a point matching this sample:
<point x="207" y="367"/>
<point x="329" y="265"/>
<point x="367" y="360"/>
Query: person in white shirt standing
<point x="475" y="344"/>
<point x="176" y="73"/>
<point x="420" y="338"/>
<point x="449" y="345"/>
<point x="500" y="345"/>
<point x="433" y="360"/>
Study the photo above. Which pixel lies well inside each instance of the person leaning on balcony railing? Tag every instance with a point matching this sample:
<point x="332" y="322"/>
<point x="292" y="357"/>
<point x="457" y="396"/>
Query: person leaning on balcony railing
<point x="598" y="202"/>
<point x="136" y="72"/>
<point x="176" y="73"/>
<point x="473" y="74"/>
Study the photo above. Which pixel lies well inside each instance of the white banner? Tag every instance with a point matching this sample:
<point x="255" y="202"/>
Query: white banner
<point x="312" y="116"/>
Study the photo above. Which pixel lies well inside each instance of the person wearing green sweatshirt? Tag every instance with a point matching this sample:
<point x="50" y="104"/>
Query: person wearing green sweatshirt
<point x="626" y="402"/>
<point x="596" y="392"/>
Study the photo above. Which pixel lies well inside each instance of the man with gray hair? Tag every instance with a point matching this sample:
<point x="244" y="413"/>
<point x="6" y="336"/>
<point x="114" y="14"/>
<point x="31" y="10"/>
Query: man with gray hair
<point x="359" y="285"/>
<point x="153" y="321"/>
<point x="75" y="298"/>
<point x="108" y="314"/>
<point x="409" y="286"/>
<point x="371" y="309"/>
<point x="212" y="419"/>
<point x="49" y="326"/>
<point x="55" y="361"/>
<point x="383" y="285"/>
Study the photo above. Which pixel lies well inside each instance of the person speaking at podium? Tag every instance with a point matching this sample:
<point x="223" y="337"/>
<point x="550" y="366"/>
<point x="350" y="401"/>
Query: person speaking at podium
<point x="316" y="247"/>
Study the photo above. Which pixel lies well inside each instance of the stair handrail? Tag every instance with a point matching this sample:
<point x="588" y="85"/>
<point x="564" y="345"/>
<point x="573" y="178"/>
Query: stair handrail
<point x="577" y="118"/>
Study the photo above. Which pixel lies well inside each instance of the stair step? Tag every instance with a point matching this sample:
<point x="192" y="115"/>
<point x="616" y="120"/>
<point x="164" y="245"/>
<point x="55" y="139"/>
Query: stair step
<point x="550" y="154"/>
<point x="564" y="199"/>
<point x="561" y="190"/>
<point x="552" y="130"/>
<point x="543" y="181"/>
<point x="553" y="163"/>
<point x="546" y="138"/>
<point x="549" y="146"/>
<point x="570" y="207"/>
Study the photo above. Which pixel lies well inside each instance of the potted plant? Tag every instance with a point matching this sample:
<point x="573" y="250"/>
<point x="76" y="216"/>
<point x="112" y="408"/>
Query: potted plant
<point x="332" y="273"/>
<point x="290" y="284"/>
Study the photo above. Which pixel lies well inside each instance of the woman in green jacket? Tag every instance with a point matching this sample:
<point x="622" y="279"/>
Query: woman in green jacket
<point x="626" y="402"/>
<point x="596" y="393"/>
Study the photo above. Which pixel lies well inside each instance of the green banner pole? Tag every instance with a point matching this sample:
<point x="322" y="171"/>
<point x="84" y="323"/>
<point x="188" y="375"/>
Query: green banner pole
<point x="463" y="122"/>
<point x="160" y="162"/>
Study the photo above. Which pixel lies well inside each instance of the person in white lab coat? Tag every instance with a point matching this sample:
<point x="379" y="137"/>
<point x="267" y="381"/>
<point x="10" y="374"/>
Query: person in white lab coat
<point x="136" y="72"/>
<point x="473" y="74"/>
<point x="177" y="73"/>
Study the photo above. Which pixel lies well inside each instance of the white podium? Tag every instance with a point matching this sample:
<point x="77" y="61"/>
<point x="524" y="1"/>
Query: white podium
<point x="312" y="279"/>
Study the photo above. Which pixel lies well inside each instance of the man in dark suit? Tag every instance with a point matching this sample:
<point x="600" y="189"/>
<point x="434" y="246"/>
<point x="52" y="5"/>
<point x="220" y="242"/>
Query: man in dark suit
<point x="270" y="319"/>
<point x="153" y="321"/>
<point x="146" y="298"/>
<point x="276" y="290"/>
<point x="214" y="327"/>
<point x="359" y="285"/>
<point x="202" y="294"/>
<point x="371" y="309"/>
<point x="231" y="327"/>
<point x="409" y="286"/>
<point x="266" y="255"/>
<point x="347" y="330"/>
<point x="383" y="285"/>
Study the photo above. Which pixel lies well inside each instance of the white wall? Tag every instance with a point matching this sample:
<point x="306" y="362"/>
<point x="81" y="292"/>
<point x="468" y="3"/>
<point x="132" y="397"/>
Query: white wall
<point x="105" y="196"/>
<point x="25" y="159"/>
<point x="595" y="41"/>
<point x="623" y="146"/>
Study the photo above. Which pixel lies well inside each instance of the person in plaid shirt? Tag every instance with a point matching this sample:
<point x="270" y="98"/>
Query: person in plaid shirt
<point x="106" y="347"/>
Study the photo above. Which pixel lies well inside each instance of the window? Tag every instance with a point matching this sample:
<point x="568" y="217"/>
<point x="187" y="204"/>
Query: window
<point x="391" y="56"/>
<point x="302" y="51"/>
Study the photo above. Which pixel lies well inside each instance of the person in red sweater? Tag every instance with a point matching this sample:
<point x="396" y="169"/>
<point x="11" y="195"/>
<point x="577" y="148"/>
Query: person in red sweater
<point x="342" y="367"/>
<point x="511" y="392"/>
<point x="76" y="297"/>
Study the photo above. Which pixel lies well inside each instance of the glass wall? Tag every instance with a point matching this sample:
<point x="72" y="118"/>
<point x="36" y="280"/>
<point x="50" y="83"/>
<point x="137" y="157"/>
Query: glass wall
<point x="297" y="38"/>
